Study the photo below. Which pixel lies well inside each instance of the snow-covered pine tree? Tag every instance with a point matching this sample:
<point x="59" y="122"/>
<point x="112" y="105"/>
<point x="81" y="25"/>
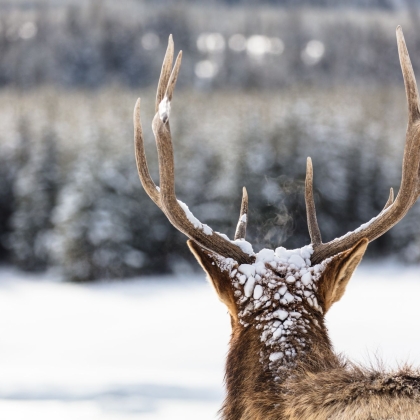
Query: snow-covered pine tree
<point x="102" y="227"/>
<point x="35" y="189"/>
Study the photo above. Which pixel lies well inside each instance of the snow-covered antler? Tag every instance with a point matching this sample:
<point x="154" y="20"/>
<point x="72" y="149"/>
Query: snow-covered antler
<point x="243" y="216"/>
<point x="409" y="190"/>
<point x="280" y="351"/>
<point x="165" y="197"/>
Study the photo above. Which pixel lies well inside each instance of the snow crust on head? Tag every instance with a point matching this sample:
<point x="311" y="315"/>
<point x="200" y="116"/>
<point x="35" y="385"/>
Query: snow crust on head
<point x="164" y="109"/>
<point x="276" y="294"/>
<point x="194" y="221"/>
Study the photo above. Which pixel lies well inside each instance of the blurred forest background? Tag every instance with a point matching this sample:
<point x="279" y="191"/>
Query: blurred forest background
<point x="263" y="85"/>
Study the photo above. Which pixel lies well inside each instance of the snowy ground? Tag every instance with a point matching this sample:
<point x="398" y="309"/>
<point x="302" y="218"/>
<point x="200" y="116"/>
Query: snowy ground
<point x="155" y="348"/>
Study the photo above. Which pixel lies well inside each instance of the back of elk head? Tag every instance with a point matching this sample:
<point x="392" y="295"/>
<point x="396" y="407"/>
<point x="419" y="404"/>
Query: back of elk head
<point x="283" y="288"/>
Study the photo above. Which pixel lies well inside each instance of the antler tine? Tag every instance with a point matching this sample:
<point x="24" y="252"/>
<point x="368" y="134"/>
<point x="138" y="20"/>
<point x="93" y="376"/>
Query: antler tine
<point x="173" y="77"/>
<point x="409" y="190"/>
<point x="409" y="78"/>
<point x="163" y="137"/>
<point x="176" y="211"/>
<point x="390" y="199"/>
<point x="142" y="168"/>
<point x="141" y="161"/>
<point x="314" y="232"/>
<point x="164" y="107"/>
<point x="243" y="216"/>
<point x="165" y="73"/>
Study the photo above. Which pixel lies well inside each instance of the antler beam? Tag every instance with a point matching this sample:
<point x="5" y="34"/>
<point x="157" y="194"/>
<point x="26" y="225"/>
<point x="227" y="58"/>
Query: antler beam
<point x="165" y="197"/>
<point x="314" y="231"/>
<point x="243" y="216"/>
<point x="409" y="190"/>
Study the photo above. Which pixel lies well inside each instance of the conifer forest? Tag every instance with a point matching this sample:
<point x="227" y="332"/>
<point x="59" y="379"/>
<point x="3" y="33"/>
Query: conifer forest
<point x="263" y="85"/>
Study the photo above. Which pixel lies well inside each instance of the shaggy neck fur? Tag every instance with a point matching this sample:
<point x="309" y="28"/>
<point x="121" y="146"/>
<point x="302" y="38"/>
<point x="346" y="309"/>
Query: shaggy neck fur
<point x="276" y="298"/>
<point x="259" y="390"/>
<point x="280" y="363"/>
<point x="280" y="325"/>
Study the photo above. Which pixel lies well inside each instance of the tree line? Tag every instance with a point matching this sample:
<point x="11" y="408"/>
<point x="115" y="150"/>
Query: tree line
<point x="98" y="44"/>
<point x="70" y="196"/>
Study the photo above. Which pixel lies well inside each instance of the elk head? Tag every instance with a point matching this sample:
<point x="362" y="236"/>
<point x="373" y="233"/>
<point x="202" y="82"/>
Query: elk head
<point x="278" y="298"/>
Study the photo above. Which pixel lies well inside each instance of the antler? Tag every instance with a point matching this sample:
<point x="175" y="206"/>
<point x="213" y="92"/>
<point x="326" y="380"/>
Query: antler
<point x="409" y="190"/>
<point x="165" y="197"/>
<point x="243" y="216"/>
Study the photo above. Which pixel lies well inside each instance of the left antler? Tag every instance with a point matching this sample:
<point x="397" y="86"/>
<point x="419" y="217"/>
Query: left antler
<point x="165" y="197"/>
<point x="409" y="190"/>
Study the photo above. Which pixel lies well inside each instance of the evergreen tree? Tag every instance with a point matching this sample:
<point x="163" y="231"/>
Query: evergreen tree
<point x="35" y="189"/>
<point x="102" y="227"/>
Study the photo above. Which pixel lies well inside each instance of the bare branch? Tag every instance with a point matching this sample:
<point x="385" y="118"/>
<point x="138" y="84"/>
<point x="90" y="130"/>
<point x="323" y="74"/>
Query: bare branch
<point x="243" y="216"/>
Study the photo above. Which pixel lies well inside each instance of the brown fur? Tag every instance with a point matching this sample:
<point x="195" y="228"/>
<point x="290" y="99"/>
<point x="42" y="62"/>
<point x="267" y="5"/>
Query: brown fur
<point x="338" y="273"/>
<point x="281" y="364"/>
<point x="321" y="385"/>
<point x="219" y="280"/>
<point x="350" y="392"/>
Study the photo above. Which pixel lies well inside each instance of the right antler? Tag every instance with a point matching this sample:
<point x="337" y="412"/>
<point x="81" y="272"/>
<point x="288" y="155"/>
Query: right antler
<point x="409" y="190"/>
<point x="165" y="197"/>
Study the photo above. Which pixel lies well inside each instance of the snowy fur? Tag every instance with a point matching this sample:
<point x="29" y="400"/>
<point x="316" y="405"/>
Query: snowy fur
<point x="281" y="364"/>
<point x="279" y="285"/>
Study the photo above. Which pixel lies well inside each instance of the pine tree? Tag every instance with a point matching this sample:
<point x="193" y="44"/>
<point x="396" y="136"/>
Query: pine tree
<point x="35" y="189"/>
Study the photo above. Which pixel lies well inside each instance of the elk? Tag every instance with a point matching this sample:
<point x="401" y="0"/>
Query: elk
<point x="281" y="364"/>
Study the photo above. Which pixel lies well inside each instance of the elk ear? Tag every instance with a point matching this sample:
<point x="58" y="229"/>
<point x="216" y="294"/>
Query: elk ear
<point x="338" y="273"/>
<point x="219" y="279"/>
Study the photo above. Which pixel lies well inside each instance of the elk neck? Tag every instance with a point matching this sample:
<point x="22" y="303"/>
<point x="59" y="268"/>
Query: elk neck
<point x="280" y="321"/>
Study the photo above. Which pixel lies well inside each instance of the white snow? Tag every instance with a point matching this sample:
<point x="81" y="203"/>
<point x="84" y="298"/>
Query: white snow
<point x="288" y="297"/>
<point x="270" y="283"/>
<point x="265" y="255"/>
<point x="244" y="245"/>
<point x="101" y="352"/>
<point x="194" y="221"/>
<point x="207" y="229"/>
<point x="247" y="269"/>
<point x="249" y="286"/>
<point x="144" y="349"/>
<point x="276" y="356"/>
<point x="281" y="314"/>
<point x="258" y="291"/>
<point x="164" y="109"/>
<point x="242" y="279"/>
<point x="223" y="236"/>
<point x="283" y="289"/>
<point x="297" y="260"/>
<point x="243" y="218"/>
<point x="363" y="226"/>
<point x="306" y="278"/>
<point x="363" y="324"/>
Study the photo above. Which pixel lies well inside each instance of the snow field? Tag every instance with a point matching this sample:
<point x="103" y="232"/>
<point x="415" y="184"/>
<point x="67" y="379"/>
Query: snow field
<point x="139" y="349"/>
<point x="154" y="349"/>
